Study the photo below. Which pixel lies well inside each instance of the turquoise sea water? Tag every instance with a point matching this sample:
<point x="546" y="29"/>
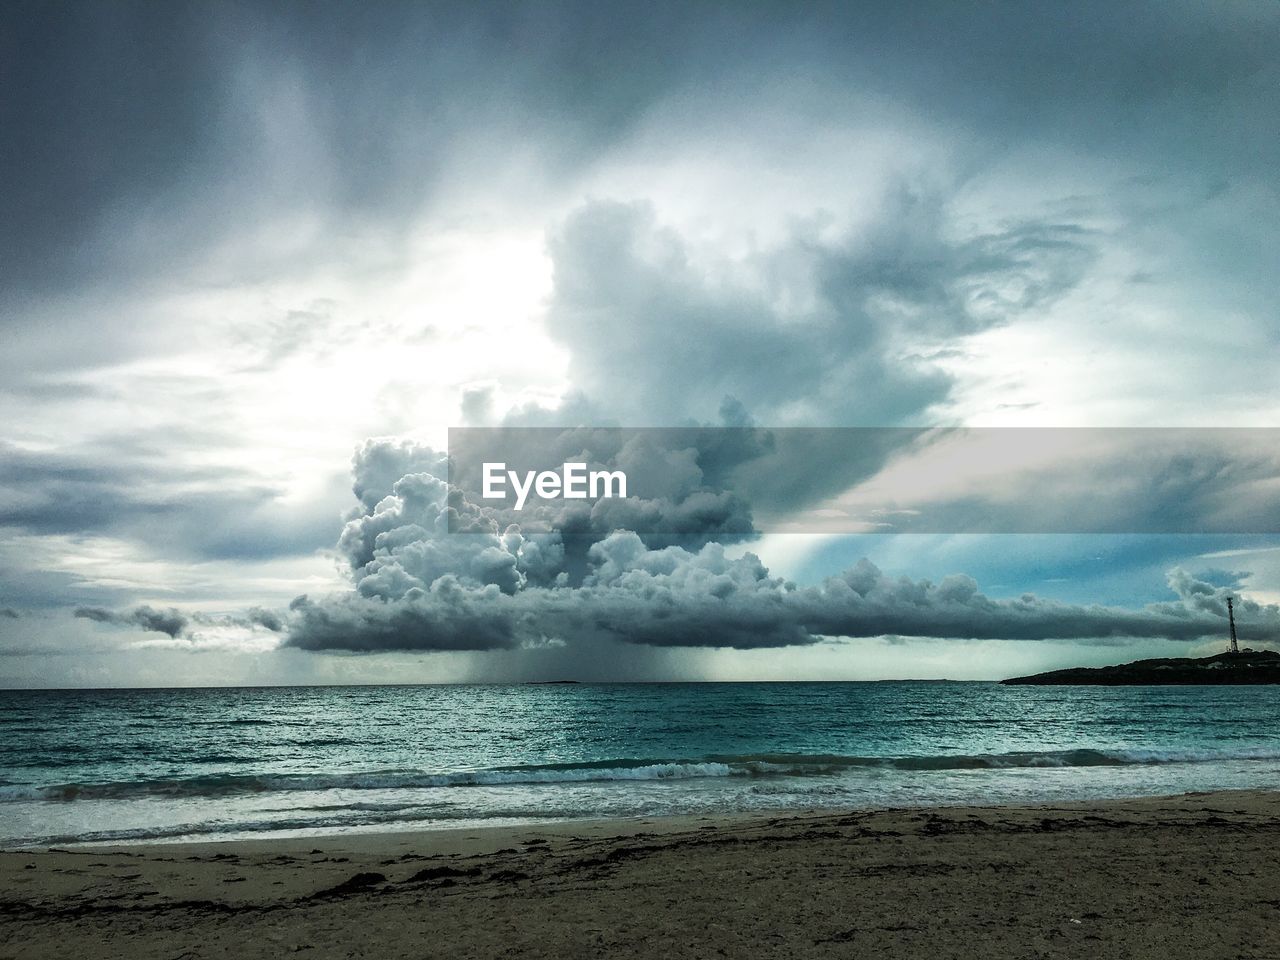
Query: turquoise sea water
<point x="219" y="763"/>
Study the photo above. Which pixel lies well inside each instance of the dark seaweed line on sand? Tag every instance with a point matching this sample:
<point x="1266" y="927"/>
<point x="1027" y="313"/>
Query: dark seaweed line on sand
<point x="445" y="876"/>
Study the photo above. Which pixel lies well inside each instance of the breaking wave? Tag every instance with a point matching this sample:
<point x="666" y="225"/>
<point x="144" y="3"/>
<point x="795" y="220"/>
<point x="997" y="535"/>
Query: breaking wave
<point x="758" y="765"/>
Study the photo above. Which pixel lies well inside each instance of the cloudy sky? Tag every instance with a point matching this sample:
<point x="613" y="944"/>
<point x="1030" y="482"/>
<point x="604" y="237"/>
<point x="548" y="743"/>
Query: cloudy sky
<point x="257" y="259"/>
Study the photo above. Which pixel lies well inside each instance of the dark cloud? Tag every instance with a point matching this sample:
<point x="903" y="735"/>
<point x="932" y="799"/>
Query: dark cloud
<point x="420" y="587"/>
<point x="446" y="617"/>
<point x="9" y="613"/>
<point x="125" y="114"/>
<point x="122" y="116"/>
<point x="103" y="106"/>
<point x="266" y="618"/>
<point x="148" y="495"/>
<point x="176" y="624"/>
<point x="27" y="584"/>
<point x="171" y="621"/>
<point x="674" y="598"/>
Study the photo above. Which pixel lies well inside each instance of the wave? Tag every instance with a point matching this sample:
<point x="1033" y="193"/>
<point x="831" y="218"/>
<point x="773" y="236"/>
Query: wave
<point x="340" y="821"/>
<point x="749" y="765"/>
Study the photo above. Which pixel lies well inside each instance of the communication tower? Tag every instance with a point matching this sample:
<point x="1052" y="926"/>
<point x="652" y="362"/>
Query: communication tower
<point x="1231" y="615"/>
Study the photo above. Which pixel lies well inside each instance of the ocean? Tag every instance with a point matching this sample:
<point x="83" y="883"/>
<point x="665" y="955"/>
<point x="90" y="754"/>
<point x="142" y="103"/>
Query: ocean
<point x="146" y="765"/>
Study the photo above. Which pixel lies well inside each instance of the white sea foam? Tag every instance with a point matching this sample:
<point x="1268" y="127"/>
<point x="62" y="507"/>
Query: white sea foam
<point x="621" y="770"/>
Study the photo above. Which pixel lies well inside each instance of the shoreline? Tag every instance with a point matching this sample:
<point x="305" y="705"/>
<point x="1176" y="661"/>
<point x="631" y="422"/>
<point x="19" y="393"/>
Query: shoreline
<point x="1188" y="875"/>
<point x="479" y="838"/>
<point x="474" y="835"/>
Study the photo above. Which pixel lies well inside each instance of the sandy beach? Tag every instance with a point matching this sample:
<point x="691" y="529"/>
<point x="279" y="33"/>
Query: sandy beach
<point x="1188" y="876"/>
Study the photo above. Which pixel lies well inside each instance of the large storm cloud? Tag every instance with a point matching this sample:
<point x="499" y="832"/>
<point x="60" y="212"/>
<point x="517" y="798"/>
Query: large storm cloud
<point x="671" y="597"/>
<point x="417" y="586"/>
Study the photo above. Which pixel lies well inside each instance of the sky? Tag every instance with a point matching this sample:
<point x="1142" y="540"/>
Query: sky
<point x="257" y="259"/>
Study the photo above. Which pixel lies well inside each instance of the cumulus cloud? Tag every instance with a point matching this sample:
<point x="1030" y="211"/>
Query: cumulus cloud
<point x="1203" y="595"/>
<point x="413" y="529"/>
<point x="672" y="597"/>
<point x="417" y="586"/>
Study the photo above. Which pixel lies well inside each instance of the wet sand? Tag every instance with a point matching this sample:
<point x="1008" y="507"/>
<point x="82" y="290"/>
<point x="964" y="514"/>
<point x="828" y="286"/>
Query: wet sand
<point x="1190" y="876"/>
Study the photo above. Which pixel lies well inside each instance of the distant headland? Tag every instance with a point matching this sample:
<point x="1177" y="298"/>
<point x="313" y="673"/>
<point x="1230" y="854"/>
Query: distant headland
<point x="1245" y="667"/>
